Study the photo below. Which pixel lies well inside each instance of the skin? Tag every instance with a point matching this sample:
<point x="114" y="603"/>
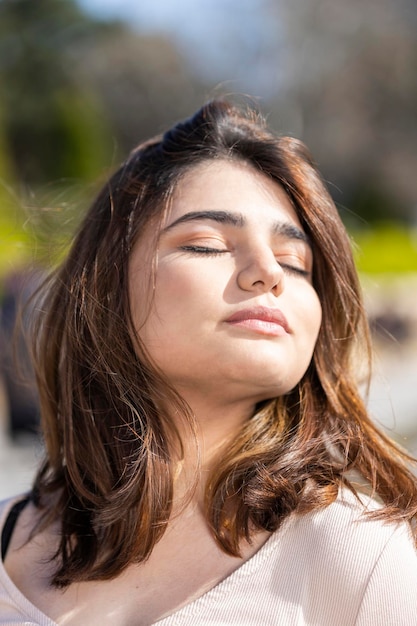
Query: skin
<point x="232" y="242"/>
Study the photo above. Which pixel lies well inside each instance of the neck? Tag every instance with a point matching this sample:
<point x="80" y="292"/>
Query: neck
<point x="217" y="425"/>
<point x="218" y="422"/>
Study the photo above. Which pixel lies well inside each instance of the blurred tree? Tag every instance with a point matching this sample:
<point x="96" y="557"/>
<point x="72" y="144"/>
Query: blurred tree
<point x="13" y="238"/>
<point x="143" y="81"/>
<point x="53" y="125"/>
<point x="351" y="93"/>
<point x="77" y="94"/>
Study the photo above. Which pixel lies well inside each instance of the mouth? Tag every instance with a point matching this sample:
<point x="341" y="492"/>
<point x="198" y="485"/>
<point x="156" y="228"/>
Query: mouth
<point x="262" y="320"/>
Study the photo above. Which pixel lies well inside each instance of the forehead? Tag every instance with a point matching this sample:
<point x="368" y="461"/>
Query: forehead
<point x="230" y="185"/>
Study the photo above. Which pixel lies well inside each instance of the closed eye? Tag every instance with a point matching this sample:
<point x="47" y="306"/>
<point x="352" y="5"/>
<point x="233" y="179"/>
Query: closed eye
<point x="203" y="250"/>
<point x="297" y="271"/>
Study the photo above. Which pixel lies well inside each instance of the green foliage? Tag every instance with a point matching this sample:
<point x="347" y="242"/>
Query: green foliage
<point x="371" y="202"/>
<point x="54" y="133"/>
<point x="53" y="125"/>
<point x="387" y="248"/>
<point x="13" y="237"/>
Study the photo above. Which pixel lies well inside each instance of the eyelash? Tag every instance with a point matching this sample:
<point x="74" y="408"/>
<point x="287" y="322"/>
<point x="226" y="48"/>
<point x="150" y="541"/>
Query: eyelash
<point x="203" y="250"/>
<point x="296" y="271"/>
<point x="290" y="269"/>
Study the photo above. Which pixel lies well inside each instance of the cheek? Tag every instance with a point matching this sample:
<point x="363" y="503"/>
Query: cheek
<point x="182" y="290"/>
<point x="316" y="320"/>
<point x="311" y="309"/>
<point x="140" y="285"/>
<point x="317" y="317"/>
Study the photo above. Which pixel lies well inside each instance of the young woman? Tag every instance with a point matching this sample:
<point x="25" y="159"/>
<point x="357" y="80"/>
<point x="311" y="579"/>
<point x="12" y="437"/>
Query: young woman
<point x="207" y="451"/>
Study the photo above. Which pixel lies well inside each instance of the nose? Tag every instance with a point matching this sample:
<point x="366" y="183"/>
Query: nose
<point x="261" y="273"/>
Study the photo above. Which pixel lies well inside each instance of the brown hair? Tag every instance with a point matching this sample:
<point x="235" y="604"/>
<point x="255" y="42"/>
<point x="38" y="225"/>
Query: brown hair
<point x="108" y="471"/>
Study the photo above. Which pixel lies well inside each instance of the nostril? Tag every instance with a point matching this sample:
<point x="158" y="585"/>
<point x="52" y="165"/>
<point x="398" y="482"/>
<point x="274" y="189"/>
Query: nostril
<point x="262" y="273"/>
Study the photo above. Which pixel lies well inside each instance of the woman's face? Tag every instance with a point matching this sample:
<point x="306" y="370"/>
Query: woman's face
<point x="234" y="312"/>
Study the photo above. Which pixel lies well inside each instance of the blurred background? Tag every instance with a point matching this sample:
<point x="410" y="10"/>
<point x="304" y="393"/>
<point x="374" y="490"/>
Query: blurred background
<point x="83" y="81"/>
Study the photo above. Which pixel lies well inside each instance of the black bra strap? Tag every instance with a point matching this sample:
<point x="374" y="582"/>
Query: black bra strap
<point x="9" y="525"/>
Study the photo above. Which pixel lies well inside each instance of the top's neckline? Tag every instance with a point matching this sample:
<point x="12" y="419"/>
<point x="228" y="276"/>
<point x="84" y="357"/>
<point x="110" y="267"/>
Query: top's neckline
<point x="248" y="567"/>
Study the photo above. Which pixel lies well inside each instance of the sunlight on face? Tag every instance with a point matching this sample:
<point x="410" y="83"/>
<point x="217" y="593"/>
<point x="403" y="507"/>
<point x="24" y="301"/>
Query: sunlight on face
<point x="234" y="310"/>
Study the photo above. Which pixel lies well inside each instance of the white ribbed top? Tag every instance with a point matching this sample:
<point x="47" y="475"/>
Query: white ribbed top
<point x="328" y="568"/>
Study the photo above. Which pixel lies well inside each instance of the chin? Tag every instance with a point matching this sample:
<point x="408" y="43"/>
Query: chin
<point x="273" y="378"/>
<point x="264" y="389"/>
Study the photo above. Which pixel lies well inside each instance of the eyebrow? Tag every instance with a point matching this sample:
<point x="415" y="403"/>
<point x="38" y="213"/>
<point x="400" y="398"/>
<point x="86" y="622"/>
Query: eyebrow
<point x="222" y="217"/>
<point x="286" y="229"/>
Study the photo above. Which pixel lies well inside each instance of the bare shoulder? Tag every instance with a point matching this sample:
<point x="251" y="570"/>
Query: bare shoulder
<point x="152" y="590"/>
<point x="28" y="559"/>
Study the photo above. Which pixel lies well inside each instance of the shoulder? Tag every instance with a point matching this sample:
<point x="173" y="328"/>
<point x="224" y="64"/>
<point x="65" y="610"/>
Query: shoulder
<point x="6" y="505"/>
<point x="15" y="606"/>
<point x="344" y="529"/>
<point x="9" y="594"/>
<point x="11" y="508"/>
<point x="339" y="556"/>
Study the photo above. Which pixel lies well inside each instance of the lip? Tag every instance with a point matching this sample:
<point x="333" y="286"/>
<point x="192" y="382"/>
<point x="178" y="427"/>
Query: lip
<point x="260" y="319"/>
